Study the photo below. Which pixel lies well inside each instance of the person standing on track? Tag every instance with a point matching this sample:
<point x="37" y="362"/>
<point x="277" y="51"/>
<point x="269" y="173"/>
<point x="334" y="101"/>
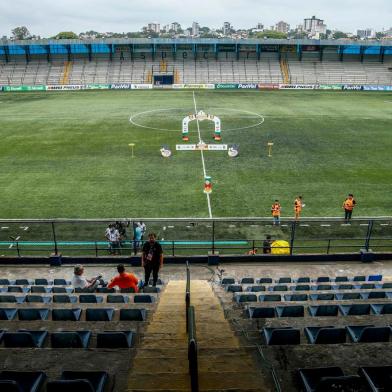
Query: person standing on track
<point x="152" y="259"/>
<point x="348" y="206"/>
<point x="298" y="207"/>
<point x="275" y="210"/>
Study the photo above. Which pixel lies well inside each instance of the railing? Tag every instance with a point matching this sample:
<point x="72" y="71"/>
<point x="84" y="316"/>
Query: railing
<point x="185" y="237"/>
<point x="191" y="330"/>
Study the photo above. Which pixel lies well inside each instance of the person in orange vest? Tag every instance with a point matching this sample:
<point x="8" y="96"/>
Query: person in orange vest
<point x="275" y="210"/>
<point x="348" y="206"/>
<point x="298" y="207"/>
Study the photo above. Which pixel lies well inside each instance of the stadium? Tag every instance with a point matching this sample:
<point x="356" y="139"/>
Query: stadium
<point x="197" y="138"/>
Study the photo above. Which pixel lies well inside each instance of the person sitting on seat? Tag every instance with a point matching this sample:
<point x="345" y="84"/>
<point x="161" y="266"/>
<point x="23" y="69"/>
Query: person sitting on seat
<point x="87" y="285"/>
<point x="124" y="280"/>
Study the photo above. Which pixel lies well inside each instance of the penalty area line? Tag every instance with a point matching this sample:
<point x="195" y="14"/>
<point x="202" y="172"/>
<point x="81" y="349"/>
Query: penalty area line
<point x="202" y="155"/>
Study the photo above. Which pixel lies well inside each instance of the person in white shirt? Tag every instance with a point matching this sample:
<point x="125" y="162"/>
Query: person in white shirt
<point x="80" y="282"/>
<point x="113" y="236"/>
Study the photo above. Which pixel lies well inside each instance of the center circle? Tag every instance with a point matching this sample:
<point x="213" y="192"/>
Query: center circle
<point x="134" y="119"/>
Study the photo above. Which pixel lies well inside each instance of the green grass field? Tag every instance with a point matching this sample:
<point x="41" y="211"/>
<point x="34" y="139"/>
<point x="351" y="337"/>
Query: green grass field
<point x="67" y="155"/>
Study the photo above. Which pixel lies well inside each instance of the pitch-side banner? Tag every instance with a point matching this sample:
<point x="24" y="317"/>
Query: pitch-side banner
<point x="377" y="88"/>
<point x="121" y="86"/>
<point x="66" y="87"/>
<point x="298" y="86"/>
<point x="195" y="86"/>
<point x="141" y="86"/>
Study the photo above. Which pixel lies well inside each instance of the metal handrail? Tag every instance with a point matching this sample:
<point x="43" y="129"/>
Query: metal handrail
<point x="192" y="350"/>
<point x="187" y="294"/>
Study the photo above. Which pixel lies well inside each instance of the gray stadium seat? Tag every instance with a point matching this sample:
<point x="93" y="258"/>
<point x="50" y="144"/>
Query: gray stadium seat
<point x="70" y="339"/>
<point x="11" y="299"/>
<point x="99" y="314"/>
<point x="128" y="290"/>
<point x="359" y="278"/>
<point x="115" y="339"/>
<point x="22" y="282"/>
<point x="387" y="285"/>
<point x="22" y="338"/>
<point x="22" y="381"/>
<point x="78" y="382"/>
<point x="32" y="314"/>
<point x="367" y="286"/>
<point x="261" y="312"/>
<point x="66" y="314"/>
<point x="4" y="282"/>
<point x="290" y="311"/>
<point x="105" y="290"/>
<point x="377" y="295"/>
<point x="133" y="314"/>
<point x="281" y="336"/>
<point x="17" y="289"/>
<point x="325" y="335"/>
<point x="62" y="290"/>
<point x="323" y="310"/>
<point x="368" y="333"/>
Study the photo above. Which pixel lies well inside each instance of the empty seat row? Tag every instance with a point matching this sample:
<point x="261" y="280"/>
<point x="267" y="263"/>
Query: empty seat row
<point x="65" y="289"/>
<point x="82" y="298"/>
<point x="326" y="334"/>
<point x="96" y="314"/>
<point x="370" y="378"/>
<point x="241" y="298"/>
<point x="306" y="287"/>
<point x="319" y="311"/>
<point x="18" y="381"/>
<point x="66" y="339"/>
<point x="45" y="282"/>
<point x="304" y="279"/>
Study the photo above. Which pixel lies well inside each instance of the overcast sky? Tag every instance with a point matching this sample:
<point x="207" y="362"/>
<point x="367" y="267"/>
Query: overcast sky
<point x="48" y="17"/>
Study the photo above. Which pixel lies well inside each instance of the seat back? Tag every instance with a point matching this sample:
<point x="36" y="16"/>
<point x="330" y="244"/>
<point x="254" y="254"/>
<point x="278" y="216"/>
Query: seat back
<point x="296" y="297"/>
<point x="234" y="288"/>
<point x="341" y="384"/>
<point x="282" y="336"/>
<point x="31" y="314"/>
<point x="63" y="299"/>
<point x="114" y="339"/>
<point x="59" y="282"/>
<point x="41" y="282"/>
<point x="280" y="288"/>
<point x="302" y="287"/>
<point x="69" y="385"/>
<point x="228" y="281"/>
<point x="326" y="310"/>
<point x="99" y="314"/>
<point x="133" y="314"/>
<point x="270" y="298"/>
<point x="247" y="280"/>
<point x="66" y="314"/>
<point x="35" y="298"/>
<point x="359" y="310"/>
<point x="374" y="335"/>
<point x="261" y="312"/>
<point x="10" y="386"/>
<point x="290" y="311"/>
<point x="18" y="339"/>
<point x="66" y="340"/>
<point x="38" y="289"/>
<point x="88" y="299"/>
<point x="258" y="288"/>
<point x="8" y="298"/>
<point x="22" y="282"/>
<point x="115" y="299"/>
<point x="8" y="313"/>
<point x="246" y="298"/>
<point x="331" y="336"/>
<point x="284" y="280"/>
<point x="265" y="280"/>
<point x="143" y="298"/>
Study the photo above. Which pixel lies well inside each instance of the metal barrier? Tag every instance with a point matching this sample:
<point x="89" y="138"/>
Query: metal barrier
<point x="187" y="294"/>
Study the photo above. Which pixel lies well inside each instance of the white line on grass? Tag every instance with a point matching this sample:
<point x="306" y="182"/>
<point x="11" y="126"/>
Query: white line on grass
<point x="202" y="155"/>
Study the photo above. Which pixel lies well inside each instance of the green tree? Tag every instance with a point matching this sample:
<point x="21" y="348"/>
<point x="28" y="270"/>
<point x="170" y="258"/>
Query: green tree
<point x="271" y="34"/>
<point x="20" y="33"/>
<point x="66" y="35"/>
<point x="339" y="34"/>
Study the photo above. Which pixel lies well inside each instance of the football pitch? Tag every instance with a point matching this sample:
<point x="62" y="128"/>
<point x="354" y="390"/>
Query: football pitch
<point x="67" y="155"/>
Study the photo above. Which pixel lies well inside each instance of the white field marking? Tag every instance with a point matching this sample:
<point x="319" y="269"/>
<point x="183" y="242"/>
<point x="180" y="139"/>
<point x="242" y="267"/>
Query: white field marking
<point x="11" y="246"/>
<point x="384" y="224"/>
<point x="255" y="115"/>
<point x="232" y="225"/>
<point x="345" y="224"/>
<point x="170" y="227"/>
<point x="284" y="225"/>
<point x="364" y="224"/>
<point x="26" y="228"/>
<point x="202" y="154"/>
<point x="4" y="228"/>
<point x="17" y="238"/>
<point x="325" y="225"/>
<point x="304" y="225"/>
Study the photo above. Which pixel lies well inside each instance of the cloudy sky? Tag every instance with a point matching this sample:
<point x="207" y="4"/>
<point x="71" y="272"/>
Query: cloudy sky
<point x="48" y="17"/>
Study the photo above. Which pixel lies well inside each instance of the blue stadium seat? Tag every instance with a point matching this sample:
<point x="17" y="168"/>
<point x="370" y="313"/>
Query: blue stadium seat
<point x="374" y="278"/>
<point x="18" y="289"/>
<point x="133" y="314"/>
<point x="303" y="279"/>
<point x="368" y="333"/>
<point x="32" y="314"/>
<point x="90" y="299"/>
<point x="61" y="282"/>
<point x="11" y="299"/>
<point x="347" y="296"/>
<point x="325" y="335"/>
<point x="265" y="281"/>
<point x="270" y="298"/>
<point x="284" y="280"/>
<point x="281" y="336"/>
<point x="40" y="289"/>
<point x="323" y="287"/>
<point x="70" y="339"/>
<point x="323" y="310"/>
<point x="151" y="290"/>
<point x="21" y="381"/>
<point x="143" y="299"/>
<point x="78" y="382"/>
<point x="228" y="281"/>
<point x="4" y="282"/>
<point x="279" y="288"/>
<point x="323" y="279"/>
<point x="38" y="298"/>
<point x="234" y="288"/>
<point x="355" y="309"/>
<point x="378" y="378"/>
<point x="296" y="297"/>
<point x="66" y="314"/>
<point x="99" y="314"/>
<point x="341" y="279"/>
<point x="381" y="308"/>
<point x="64" y="299"/>
<point x="261" y="312"/>
<point x="115" y="339"/>
<point x="22" y="282"/>
<point x="62" y="290"/>
<point x="377" y="295"/>
<point x="387" y="285"/>
<point x="301" y="287"/>
<point x="128" y="290"/>
<point x="322" y="297"/>
<point x="345" y="287"/>
<point x="117" y="299"/>
<point x="23" y="338"/>
<point x="359" y="278"/>
<point x="105" y="290"/>
<point x="329" y="379"/>
<point x="41" y="282"/>
<point x="367" y="286"/>
<point x="245" y="298"/>
<point x="8" y="313"/>
<point x="290" y="311"/>
<point x="247" y="280"/>
<point x="256" y="289"/>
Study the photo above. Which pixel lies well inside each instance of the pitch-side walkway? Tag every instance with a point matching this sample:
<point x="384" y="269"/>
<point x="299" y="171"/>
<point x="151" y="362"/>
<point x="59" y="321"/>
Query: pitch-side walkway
<point x="161" y="361"/>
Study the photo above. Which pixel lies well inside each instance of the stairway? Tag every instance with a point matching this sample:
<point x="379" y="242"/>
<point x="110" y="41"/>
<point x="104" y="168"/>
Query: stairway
<point x="284" y="67"/>
<point x="66" y="72"/>
<point x="161" y="362"/>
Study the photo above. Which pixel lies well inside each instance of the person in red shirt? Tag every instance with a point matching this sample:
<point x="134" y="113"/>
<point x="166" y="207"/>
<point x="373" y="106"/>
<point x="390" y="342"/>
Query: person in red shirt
<point x="124" y="280"/>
